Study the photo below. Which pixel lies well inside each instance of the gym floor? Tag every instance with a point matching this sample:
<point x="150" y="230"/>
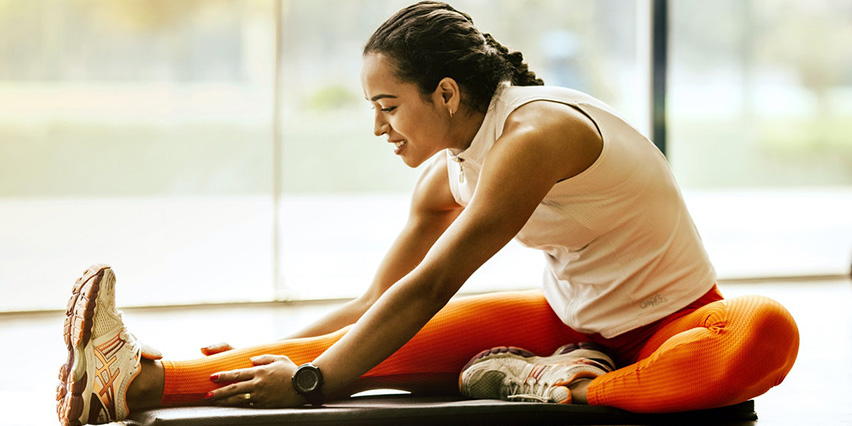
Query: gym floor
<point x="816" y="392"/>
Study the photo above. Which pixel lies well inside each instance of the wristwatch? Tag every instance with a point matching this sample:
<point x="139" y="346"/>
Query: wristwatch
<point x="307" y="380"/>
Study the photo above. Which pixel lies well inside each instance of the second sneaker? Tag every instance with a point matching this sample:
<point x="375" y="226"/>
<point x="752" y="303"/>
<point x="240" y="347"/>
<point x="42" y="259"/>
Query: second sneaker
<point x="514" y="374"/>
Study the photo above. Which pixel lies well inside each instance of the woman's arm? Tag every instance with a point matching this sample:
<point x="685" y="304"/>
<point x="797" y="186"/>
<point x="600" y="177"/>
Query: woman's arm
<point x="542" y="144"/>
<point x="433" y="209"/>
<point x="520" y="169"/>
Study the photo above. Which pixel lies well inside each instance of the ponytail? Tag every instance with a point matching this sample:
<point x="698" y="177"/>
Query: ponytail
<point x="430" y="40"/>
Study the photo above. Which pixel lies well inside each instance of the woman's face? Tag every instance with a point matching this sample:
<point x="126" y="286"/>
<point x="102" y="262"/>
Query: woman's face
<point x="416" y="126"/>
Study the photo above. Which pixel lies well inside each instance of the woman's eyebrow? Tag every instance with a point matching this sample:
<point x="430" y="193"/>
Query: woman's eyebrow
<point x="382" y="96"/>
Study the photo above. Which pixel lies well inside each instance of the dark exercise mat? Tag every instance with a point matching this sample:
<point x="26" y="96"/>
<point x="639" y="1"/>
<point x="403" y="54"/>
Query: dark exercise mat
<point x="443" y="411"/>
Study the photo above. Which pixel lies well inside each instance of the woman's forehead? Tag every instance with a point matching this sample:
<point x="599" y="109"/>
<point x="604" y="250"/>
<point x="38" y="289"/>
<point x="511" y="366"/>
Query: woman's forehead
<point x="379" y="80"/>
<point x="376" y="69"/>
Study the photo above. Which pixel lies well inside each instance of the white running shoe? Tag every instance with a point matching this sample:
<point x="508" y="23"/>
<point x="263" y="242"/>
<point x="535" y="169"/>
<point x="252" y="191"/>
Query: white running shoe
<point x="515" y="374"/>
<point x="103" y="357"/>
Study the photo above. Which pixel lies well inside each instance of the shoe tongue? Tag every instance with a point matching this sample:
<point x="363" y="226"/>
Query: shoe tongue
<point x="560" y="394"/>
<point x="151" y="353"/>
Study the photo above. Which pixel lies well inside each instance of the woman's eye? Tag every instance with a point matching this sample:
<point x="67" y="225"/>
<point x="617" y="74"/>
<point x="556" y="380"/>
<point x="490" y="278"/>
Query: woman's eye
<point x="388" y="109"/>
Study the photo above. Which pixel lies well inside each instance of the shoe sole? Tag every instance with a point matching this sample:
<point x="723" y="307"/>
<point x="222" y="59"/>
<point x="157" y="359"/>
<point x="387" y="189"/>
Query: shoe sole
<point x="77" y="333"/>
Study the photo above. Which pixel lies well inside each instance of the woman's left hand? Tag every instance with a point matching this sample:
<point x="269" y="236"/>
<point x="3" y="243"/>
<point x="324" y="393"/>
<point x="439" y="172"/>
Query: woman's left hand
<point x="266" y="385"/>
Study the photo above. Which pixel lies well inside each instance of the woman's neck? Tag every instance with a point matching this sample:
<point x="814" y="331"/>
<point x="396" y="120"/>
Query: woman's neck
<point x="466" y="125"/>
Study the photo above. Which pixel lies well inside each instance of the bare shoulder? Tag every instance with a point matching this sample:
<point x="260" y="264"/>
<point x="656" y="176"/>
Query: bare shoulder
<point x="559" y="132"/>
<point x="432" y="191"/>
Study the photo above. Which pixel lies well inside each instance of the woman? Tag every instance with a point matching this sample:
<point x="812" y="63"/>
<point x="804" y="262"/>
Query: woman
<point x="627" y="280"/>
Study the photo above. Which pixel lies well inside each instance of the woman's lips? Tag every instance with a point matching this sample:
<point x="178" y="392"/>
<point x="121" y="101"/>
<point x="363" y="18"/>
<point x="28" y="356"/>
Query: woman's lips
<point x="398" y="145"/>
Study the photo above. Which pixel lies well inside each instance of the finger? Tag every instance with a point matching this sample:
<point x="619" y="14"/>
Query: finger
<point x="216" y="348"/>
<point x="229" y="391"/>
<point x="268" y="359"/>
<point x="238" y="375"/>
<point x="239" y="399"/>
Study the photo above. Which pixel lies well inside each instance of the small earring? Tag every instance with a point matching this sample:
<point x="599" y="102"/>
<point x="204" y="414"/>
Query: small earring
<point x="451" y="113"/>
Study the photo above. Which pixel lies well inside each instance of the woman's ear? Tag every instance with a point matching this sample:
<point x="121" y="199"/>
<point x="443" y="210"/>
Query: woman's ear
<point x="448" y="95"/>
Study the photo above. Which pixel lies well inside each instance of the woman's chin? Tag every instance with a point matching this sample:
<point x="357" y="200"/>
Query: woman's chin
<point x="414" y="159"/>
<point x="410" y="163"/>
<point x="410" y="160"/>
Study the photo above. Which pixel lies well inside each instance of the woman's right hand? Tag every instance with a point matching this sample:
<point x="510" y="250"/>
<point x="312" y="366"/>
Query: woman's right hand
<point x="216" y="348"/>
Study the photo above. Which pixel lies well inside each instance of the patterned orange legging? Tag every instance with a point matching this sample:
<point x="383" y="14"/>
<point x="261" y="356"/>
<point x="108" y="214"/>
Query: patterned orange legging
<point x="711" y="353"/>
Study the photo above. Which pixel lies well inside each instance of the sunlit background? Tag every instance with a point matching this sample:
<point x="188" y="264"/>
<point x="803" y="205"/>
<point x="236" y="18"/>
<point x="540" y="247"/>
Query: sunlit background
<point x="222" y="151"/>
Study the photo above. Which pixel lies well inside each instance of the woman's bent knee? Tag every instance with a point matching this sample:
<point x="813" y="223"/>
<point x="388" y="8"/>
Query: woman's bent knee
<point x="767" y="341"/>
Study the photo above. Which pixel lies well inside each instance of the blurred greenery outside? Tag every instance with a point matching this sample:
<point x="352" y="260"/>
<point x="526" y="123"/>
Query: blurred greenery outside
<point x="142" y="132"/>
<point x="189" y="147"/>
<point x="236" y="159"/>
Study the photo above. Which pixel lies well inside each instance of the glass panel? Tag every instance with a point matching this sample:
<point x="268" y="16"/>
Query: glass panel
<point x="136" y="133"/>
<point x="344" y="194"/>
<point x="760" y="117"/>
<point x="140" y="134"/>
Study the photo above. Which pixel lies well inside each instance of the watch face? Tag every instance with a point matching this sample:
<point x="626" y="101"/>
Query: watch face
<point x="307" y="380"/>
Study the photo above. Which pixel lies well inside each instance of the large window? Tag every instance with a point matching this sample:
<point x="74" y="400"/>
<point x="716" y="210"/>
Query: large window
<point x="221" y="150"/>
<point x="150" y="135"/>
<point x="760" y="125"/>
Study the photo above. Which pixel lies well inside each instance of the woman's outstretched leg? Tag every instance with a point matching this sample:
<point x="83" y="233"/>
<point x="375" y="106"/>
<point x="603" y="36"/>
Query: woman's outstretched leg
<point x="430" y="361"/>
<point x="109" y="372"/>
<point x="724" y="353"/>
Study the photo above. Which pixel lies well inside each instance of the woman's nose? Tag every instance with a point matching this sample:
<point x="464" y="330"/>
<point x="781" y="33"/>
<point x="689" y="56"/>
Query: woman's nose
<point x="380" y="126"/>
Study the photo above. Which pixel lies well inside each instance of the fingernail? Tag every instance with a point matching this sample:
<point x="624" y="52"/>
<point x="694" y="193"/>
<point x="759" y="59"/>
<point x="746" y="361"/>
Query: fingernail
<point x="209" y="395"/>
<point x="214" y="377"/>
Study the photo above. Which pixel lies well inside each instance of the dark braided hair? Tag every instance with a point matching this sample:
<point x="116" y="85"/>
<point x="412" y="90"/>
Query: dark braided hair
<point x="430" y="40"/>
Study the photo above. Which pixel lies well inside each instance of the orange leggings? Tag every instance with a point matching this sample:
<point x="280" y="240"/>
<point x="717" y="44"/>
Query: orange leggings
<point x="711" y="353"/>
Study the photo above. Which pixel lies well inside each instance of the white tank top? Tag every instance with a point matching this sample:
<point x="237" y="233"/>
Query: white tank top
<point x="621" y="248"/>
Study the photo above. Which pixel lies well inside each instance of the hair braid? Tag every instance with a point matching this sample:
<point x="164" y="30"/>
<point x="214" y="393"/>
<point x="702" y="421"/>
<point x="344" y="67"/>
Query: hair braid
<point x="521" y="74"/>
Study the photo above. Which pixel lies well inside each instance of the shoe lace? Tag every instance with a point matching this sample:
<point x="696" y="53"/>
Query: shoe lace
<point x="530" y="389"/>
<point x="128" y="337"/>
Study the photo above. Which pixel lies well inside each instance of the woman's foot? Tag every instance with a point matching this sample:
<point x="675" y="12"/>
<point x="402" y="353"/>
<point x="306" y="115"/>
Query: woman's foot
<point x="514" y="374"/>
<point x="103" y="357"/>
